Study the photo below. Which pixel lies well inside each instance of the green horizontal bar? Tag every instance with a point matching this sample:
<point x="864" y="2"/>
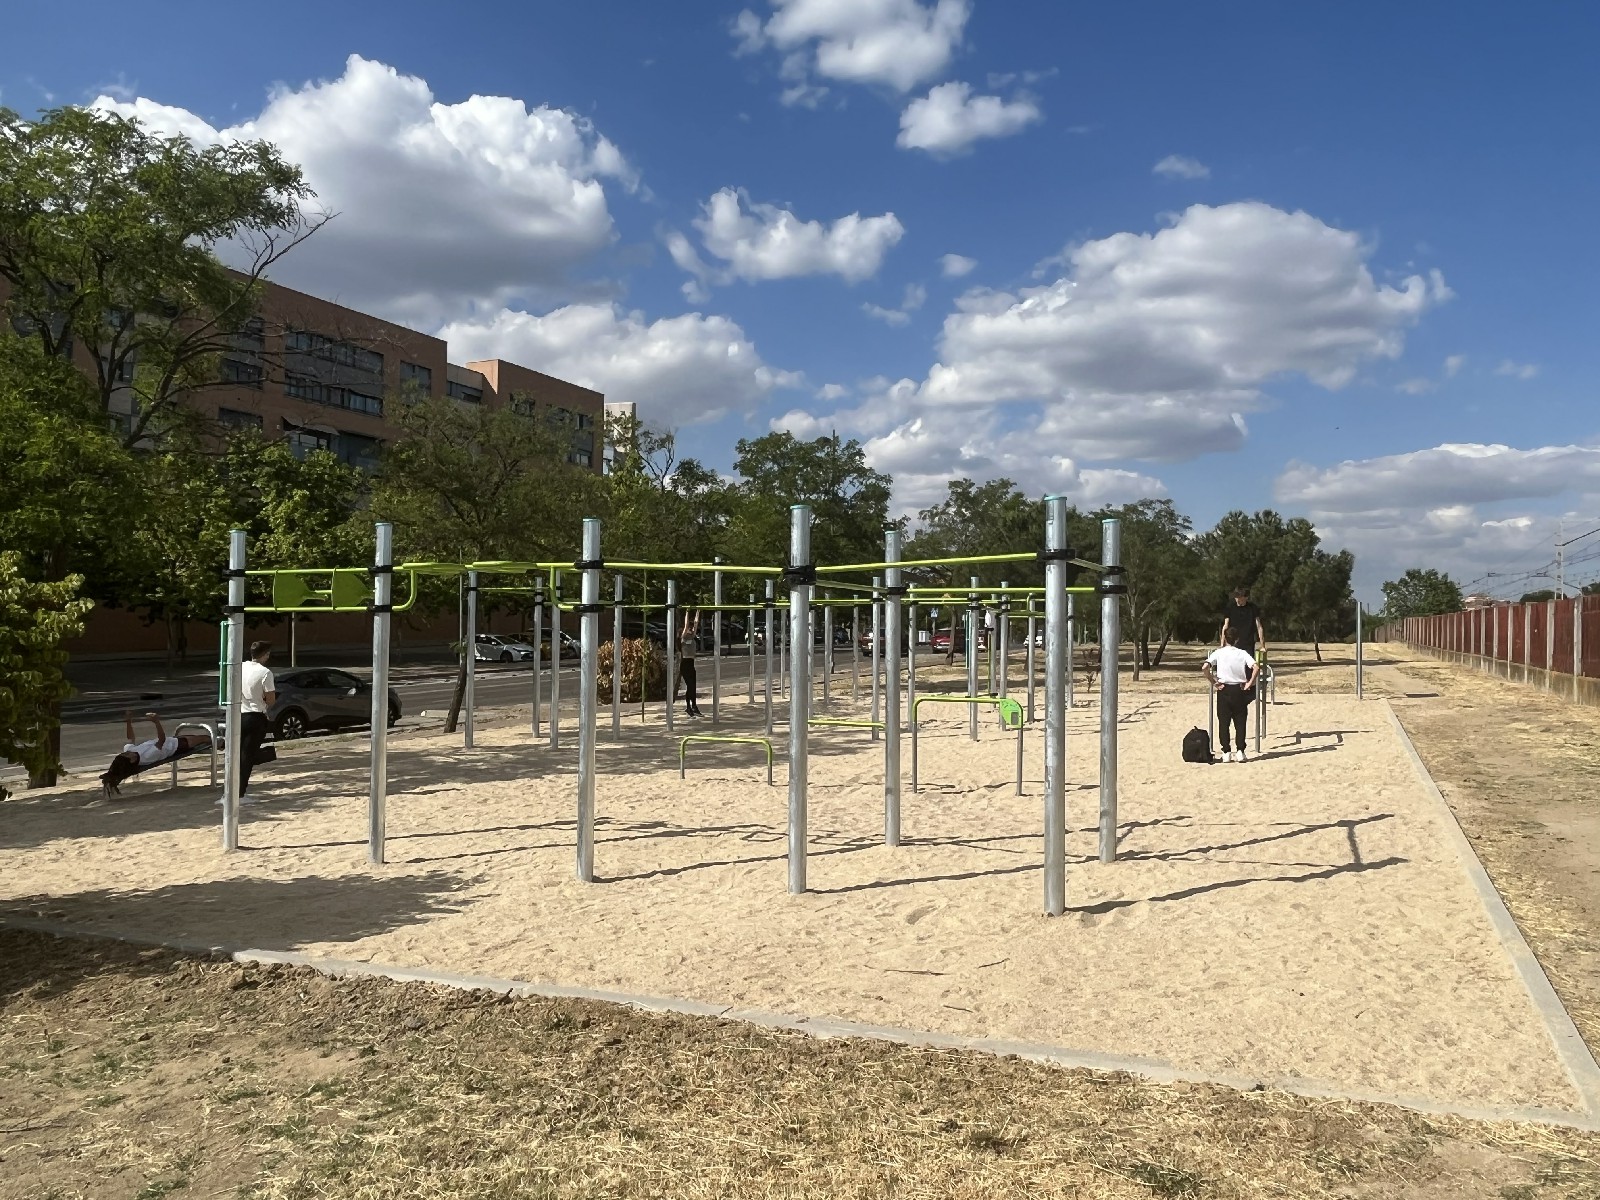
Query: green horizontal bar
<point x="928" y="562"/>
<point x="1001" y="702"/>
<point x="725" y="568"/>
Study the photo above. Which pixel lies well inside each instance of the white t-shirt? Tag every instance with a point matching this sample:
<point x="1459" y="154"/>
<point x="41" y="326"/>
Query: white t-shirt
<point x="1232" y="664"/>
<point x="256" y="682"/>
<point x="152" y="751"/>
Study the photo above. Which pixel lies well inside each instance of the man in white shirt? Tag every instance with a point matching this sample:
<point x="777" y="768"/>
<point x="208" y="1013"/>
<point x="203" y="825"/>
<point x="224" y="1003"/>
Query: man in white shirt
<point x="136" y="755"/>
<point x="258" y="688"/>
<point x="1232" y="672"/>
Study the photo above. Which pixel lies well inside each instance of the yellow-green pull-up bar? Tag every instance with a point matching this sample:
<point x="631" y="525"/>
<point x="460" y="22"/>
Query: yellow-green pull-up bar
<point x="683" y="745"/>
<point x="1010" y="718"/>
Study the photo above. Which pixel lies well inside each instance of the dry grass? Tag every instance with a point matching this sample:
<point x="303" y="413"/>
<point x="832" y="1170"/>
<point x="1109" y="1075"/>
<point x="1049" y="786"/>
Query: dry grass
<point x="140" y="1074"/>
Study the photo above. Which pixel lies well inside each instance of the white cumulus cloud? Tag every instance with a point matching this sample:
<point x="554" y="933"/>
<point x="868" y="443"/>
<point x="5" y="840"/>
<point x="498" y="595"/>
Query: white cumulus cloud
<point x="950" y="118"/>
<point x="915" y="296"/>
<point x="1181" y="166"/>
<point x="956" y="266"/>
<point x="680" y="370"/>
<point x="896" y="43"/>
<point x="1452" y="474"/>
<point x="443" y="208"/>
<point x="1514" y="370"/>
<point x="756" y="242"/>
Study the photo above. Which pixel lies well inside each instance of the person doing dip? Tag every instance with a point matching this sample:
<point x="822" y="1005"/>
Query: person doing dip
<point x="137" y="756"/>
<point x="1232" y="672"/>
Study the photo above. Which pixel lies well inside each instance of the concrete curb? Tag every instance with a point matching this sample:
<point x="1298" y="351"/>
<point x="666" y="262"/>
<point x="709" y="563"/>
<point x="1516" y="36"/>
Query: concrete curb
<point x="1570" y="1047"/>
<point x="1153" y="1070"/>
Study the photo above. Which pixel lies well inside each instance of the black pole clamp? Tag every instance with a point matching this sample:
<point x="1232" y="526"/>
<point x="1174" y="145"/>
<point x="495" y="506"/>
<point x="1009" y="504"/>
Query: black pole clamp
<point x="800" y="575"/>
<point x="587" y="609"/>
<point x="1065" y="554"/>
<point x="381" y="569"/>
<point x="589" y="564"/>
<point x="1110" y="582"/>
<point x="897" y="590"/>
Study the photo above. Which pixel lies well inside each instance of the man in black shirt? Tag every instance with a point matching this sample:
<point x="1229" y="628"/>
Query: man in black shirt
<point x="1244" y="619"/>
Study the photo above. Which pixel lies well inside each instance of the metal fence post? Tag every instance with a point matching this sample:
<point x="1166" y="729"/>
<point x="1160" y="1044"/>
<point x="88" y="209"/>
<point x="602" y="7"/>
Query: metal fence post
<point x="799" y="578"/>
<point x="588" y="673"/>
<point x="382" y="607"/>
<point x="1111" y="592"/>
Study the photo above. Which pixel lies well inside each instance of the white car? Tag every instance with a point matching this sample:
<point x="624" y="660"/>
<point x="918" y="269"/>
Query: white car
<point x="497" y="647"/>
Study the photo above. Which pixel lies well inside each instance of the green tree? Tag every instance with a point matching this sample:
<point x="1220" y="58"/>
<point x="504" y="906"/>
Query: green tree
<point x="660" y="507"/>
<point x="1420" y="593"/>
<point x="1320" y="599"/>
<point x="1536" y="597"/>
<point x="107" y="233"/>
<point x="35" y="619"/>
<point x="1161" y="572"/>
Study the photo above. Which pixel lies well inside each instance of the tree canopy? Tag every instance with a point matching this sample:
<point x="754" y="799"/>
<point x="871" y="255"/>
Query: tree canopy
<point x="1420" y="592"/>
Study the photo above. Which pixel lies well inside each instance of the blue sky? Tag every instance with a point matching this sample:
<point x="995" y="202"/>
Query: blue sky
<point x="1355" y="291"/>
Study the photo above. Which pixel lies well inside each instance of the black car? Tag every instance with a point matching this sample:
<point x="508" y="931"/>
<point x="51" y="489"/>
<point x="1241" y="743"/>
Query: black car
<point x="322" y="698"/>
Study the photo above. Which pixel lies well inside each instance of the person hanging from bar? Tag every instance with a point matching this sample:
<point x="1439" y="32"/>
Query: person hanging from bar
<point x="137" y="756"/>
<point x="686" y="672"/>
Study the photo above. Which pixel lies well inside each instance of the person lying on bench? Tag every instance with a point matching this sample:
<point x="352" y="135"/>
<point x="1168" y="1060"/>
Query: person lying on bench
<point x="139" y="756"/>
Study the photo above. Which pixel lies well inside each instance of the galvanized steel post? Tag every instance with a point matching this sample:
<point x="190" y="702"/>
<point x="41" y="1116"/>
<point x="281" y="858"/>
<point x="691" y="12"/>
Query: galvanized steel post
<point x="1057" y="680"/>
<point x="893" y="591"/>
<point x="855" y="652"/>
<point x="382" y="607"/>
<point x="827" y="654"/>
<point x="1361" y="652"/>
<point x="1033" y="632"/>
<point x="470" y="649"/>
<point x="555" y="663"/>
<point x="750" y="651"/>
<point x="799" y="579"/>
<point x="1112" y="590"/>
<point x="588" y="672"/>
<point x="232" y="764"/>
<point x="716" y="645"/>
<point x="616" y="657"/>
<point x="974" y="616"/>
<point x="770" y="634"/>
<point x="911" y="654"/>
<point x="672" y="648"/>
<point x="538" y="651"/>
<point x="877" y="651"/>
<point x="1003" y="627"/>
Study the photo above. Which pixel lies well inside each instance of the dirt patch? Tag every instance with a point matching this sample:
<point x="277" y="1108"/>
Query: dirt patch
<point x="141" y="1074"/>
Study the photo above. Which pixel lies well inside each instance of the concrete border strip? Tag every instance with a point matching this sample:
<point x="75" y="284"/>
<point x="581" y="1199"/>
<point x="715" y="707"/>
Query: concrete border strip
<point x="1152" y="1070"/>
<point x="1570" y="1047"/>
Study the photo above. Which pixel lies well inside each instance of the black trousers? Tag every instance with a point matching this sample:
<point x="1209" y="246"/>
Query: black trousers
<point x="252" y="732"/>
<point x="1233" y="709"/>
<point x="691" y="702"/>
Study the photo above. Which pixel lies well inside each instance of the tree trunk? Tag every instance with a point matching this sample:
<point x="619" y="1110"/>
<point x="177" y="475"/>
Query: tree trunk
<point x="166" y="620"/>
<point x="460" y="696"/>
<point x="1162" y="649"/>
<point x="1316" y="644"/>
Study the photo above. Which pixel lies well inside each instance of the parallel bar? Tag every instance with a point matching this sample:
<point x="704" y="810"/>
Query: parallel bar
<point x="231" y="762"/>
<point x="799" y="692"/>
<point x="378" y="777"/>
<point x="891" y="713"/>
<point x="1110" y="651"/>
<point x="1057" y="684"/>
<point x="588" y="673"/>
<point x="470" y="649"/>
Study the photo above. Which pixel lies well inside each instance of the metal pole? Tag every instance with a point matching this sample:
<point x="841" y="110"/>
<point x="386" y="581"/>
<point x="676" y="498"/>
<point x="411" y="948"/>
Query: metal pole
<point x="470" y="644"/>
<point x="877" y="651"/>
<point x="1072" y="627"/>
<point x="294" y="655"/>
<point x="1033" y="630"/>
<point x="750" y="651"/>
<point x="672" y="647"/>
<point x="589" y="632"/>
<point x="555" y="664"/>
<point x="855" y="652"/>
<point x="1111" y="591"/>
<point x="232" y="764"/>
<point x="1057" y="681"/>
<point x="973" y="620"/>
<point x="1004" y="629"/>
<point x="538" y="651"/>
<point x="771" y="632"/>
<point x="799" y="689"/>
<point x="716" y="645"/>
<point x="1360" y="651"/>
<point x="616" y="657"/>
<point x="382" y="606"/>
<point x="783" y="663"/>
<point x="911" y="655"/>
<point x="891" y="709"/>
<point x="827" y="654"/>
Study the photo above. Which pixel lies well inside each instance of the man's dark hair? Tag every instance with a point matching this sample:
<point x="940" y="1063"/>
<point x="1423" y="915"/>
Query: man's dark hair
<point x="123" y="766"/>
<point x="1231" y="636"/>
<point x="257" y="649"/>
<point x="1241" y="590"/>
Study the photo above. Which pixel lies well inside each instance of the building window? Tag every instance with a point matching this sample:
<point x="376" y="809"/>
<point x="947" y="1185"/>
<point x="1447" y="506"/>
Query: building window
<point x="358" y="450"/>
<point x="522" y="403"/>
<point x="303" y="387"/>
<point x="303" y="442"/>
<point x="233" y="418"/>
<point x="582" y="458"/>
<point x="464" y="392"/>
<point x="419" y="375"/>
<point x="251" y="335"/>
<point x="334" y="350"/>
<point x="245" y="374"/>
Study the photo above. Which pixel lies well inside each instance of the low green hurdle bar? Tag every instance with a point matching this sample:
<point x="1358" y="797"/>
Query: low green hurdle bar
<point x="683" y="746"/>
<point x="1010" y="718"/>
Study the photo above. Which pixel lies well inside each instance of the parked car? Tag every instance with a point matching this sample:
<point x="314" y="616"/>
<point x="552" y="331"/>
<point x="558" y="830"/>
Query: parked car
<point x="321" y="698"/>
<point x="939" y="643"/>
<point x="571" y="647"/>
<point x="865" y="644"/>
<point x="497" y="647"/>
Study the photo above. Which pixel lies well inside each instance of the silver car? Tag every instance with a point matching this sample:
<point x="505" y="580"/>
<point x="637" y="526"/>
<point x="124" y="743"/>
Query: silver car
<point x="322" y="698"/>
<point x="497" y="647"/>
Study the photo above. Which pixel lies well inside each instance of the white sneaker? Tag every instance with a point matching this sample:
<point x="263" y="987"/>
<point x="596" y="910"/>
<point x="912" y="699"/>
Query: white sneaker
<point x="1238" y="756"/>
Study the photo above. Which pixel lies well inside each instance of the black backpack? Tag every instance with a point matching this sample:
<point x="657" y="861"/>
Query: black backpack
<point x="1197" y="746"/>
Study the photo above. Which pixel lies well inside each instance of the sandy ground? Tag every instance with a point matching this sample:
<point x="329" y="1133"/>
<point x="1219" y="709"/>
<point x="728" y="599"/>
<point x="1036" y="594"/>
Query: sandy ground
<point x="1299" y="915"/>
